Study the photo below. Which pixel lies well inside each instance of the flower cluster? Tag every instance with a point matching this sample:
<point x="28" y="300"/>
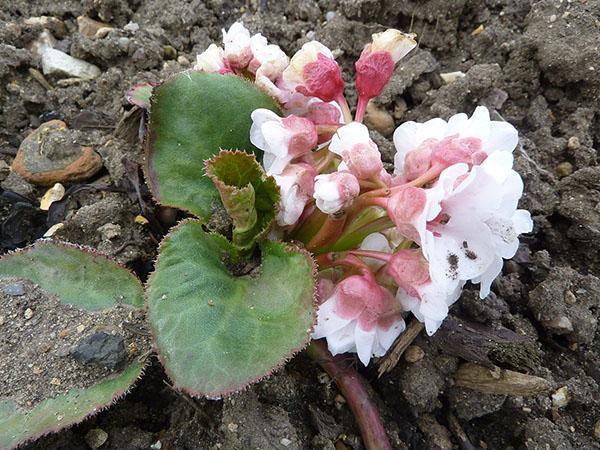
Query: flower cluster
<point x="386" y="244"/>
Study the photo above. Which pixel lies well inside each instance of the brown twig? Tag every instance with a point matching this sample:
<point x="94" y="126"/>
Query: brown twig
<point x="401" y="344"/>
<point x="457" y="430"/>
<point x="355" y="390"/>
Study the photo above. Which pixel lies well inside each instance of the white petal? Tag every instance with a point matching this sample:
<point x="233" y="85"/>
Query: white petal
<point x="488" y="277"/>
<point x="375" y="242"/>
<point x="503" y="137"/>
<point x="342" y="340"/>
<point x="385" y="338"/>
<point x="364" y="344"/>
<point x="522" y="221"/>
<point x="348" y="135"/>
<point x="328" y="322"/>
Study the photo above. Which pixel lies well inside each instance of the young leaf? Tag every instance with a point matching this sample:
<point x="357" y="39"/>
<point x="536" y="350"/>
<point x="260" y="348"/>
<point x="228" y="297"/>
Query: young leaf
<point x="192" y="117"/>
<point x="139" y="95"/>
<point x="85" y="282"/>
<point x="216" y="333"/>
<point x="249" y="196"/>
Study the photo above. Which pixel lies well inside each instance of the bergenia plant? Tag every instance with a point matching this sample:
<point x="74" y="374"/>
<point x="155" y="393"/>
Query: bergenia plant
<point x="297" y="231"/>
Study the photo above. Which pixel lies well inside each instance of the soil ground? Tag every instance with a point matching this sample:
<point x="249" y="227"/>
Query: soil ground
<point x="534" y="63"/>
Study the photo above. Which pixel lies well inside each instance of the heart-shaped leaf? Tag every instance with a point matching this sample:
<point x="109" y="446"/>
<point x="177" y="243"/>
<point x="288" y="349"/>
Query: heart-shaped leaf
<point x="192" y="117"/>
<point x="65" y="291"/>
<point x="248" y="194"/>
<point x="216" y="333"/>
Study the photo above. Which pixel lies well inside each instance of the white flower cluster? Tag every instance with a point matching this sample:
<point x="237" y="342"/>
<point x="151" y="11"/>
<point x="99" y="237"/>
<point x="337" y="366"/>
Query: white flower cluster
<point x="447" y="215"/>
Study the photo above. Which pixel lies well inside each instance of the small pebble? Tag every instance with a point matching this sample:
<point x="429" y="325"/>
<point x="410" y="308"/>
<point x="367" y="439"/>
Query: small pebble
<point x="379" y="119"/>
<point x="570" y="298"/>
<point x="96" y="437"/>
<point x="80" y="328"/>
<point x="233" y="427"/>
<point x="564" y="169"/>
<point x="560" y="398"/>
<point x="183" y="61"/>
<point x="573" y="143"/>
<point x="478" y="30"/>
<point x="54" y="194"/>
<point x="141" y="220"/>
<point x="14" y="290"/>
<point x="1" y="320"/>
<point x="449" y="77"/>
<point x="55" y="381"/>
<point x="329" y="15"/>
<point x="169" y="52"/>
<point x="553" y="18"/>
<point x="156" y="446"/>
<point x="414" y="353"/>
<point x="597" y="430"/>
<point x="123" y="43"/>
<point x="285" y="442"/>
<point x="131" y="27"/>
<point x="37" y="370"/>
<point x="53" y="229"/>
<point x="28" y="313"/>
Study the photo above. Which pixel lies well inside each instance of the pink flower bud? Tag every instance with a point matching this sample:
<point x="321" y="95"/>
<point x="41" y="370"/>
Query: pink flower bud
<point x="376" y="64"/>
<point x="373" y="71"/>
<point x="212" y="60"/>
<point x="453" y="150"/>
<point x="335" y="191"/>
<point x="236" y="42"/>
<point x="282" y="139"/>
<point x="296" y="185"/>
<point x="417" y="161"/>
<point x="315" y="73"/>
<point x="405" y="208"/>
<point x="408" y="268"/>
<point x="322" y="113"/>
<point x="359" y="153"/>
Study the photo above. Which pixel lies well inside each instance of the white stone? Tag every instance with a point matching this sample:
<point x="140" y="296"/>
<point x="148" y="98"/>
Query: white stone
<point x="449" y="77"/>
<point x="57" y="62"/>
<point x="560" y="398"/>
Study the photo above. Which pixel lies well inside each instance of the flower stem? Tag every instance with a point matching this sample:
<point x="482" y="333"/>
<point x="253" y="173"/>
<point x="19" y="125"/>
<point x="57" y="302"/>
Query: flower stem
<point x="341" y="100"/>
<point x="329" y="233"/>
<point x="355" y="390"/>
<point x="361" y="107"/>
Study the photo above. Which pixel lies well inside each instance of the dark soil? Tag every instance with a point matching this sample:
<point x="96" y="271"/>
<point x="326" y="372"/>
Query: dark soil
<point x="43" y="344"/>
<point x="534" y="63"/>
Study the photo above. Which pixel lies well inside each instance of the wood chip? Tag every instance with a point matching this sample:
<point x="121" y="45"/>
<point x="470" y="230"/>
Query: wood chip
<point x="499" y="381"/>
<point x="404" y="340"/>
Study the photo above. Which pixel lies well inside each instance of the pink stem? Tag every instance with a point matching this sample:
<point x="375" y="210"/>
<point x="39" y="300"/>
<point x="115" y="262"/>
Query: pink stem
<point x="355" y="390"/>
<point x="341" y="100"/>
<point x="372" y="254"/>
<point x="361" y="107"/>
<point x="329" y="232"/>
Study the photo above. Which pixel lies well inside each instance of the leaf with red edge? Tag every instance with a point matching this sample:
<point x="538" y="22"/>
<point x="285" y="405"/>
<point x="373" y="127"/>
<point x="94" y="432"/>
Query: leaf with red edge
<point x="215" y="332"/>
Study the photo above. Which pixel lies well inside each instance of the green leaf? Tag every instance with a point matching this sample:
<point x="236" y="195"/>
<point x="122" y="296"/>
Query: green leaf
<point x="193" y="116"/>
<point x="77" y="277"/>
<point x="89" y="282"/>
<point x="139" y="95"/>
<point x="19" y="425"/>
<point x="248" y="194"/>
<point x="216" y="333"/>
